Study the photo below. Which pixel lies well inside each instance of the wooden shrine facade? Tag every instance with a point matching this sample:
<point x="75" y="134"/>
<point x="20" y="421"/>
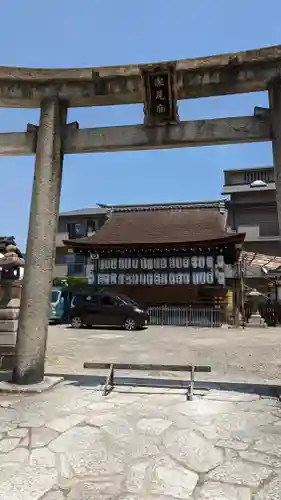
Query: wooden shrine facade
<point x="161" y="267"/>
<point x="163" y="254"/>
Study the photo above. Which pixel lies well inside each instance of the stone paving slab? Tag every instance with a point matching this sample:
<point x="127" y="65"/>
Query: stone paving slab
<point x="271" y="491"/>
<point x="214" y="491"/>
<point x="71" y="443"/>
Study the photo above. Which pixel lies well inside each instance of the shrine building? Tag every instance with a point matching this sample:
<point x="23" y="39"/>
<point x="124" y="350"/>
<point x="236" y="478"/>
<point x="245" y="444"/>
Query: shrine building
<point x="166" y="254"/>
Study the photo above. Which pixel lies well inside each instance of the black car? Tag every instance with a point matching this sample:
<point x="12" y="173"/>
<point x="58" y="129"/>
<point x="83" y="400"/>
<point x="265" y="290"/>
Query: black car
<point x="108" y="310"/>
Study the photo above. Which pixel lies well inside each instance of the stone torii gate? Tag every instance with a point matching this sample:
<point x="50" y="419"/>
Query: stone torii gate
<point x="158" y="87"/>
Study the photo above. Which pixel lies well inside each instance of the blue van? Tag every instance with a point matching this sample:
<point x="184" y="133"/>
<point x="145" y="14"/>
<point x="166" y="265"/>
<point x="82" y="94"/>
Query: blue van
<point x="60" y="304"/>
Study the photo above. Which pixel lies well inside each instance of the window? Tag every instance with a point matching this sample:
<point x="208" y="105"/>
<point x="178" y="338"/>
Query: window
<point x="76" y="264"/>
<point x="268" y="229"/>
<point x="55" y="296"/>
<point x="69" y="258"/>
<point x="91" y="226"/>
<point x="76" y="230"/>
<point x="108" y="301"/>
<point x="76" y="269"/>
<point x="60" y="258"/>
<point x="80" y="259"/>
<point x="78" y="299"/>
<point x="126" y="300"/>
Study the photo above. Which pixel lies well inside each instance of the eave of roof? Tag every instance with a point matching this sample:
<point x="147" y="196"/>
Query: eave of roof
<point x="103" y="209"/>
<point x="237" y="238"/>
<point x="85" y="212"/>
<point x="250" y="169"/>
<point x="163" y="206"/>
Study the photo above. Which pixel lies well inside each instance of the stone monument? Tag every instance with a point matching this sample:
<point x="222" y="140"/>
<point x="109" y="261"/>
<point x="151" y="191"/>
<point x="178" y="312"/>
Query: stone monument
<point x="11" y="266"/>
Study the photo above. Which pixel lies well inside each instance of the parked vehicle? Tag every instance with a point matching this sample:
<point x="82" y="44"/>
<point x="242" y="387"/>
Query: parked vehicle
<point x="107" y="309"/>
<point x="60" y="304"/>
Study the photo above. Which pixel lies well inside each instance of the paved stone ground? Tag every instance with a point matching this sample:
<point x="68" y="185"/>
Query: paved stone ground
<point x="72" y="443"/>
<point x="251" y="356"/>
<point x="148" y="444"/>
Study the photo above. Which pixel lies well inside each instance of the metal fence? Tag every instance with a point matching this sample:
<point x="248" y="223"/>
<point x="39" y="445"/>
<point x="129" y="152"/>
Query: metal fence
<point x="186" y="316"/>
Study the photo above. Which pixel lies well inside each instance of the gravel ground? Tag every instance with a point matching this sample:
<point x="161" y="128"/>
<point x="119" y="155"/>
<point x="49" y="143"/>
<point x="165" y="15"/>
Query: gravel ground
<point x="251" y="355"/>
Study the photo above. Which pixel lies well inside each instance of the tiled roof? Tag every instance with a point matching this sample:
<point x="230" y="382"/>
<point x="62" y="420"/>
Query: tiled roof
<point x="104" y="209"/>
<point x="160" y="224"/>
<point x="165" y="206"/>
<point x="85" y="212"/>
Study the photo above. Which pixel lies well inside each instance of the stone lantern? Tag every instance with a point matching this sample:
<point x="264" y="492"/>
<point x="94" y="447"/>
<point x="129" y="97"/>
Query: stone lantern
<point x="255" y="318"/>
<point x="11" y="266"/>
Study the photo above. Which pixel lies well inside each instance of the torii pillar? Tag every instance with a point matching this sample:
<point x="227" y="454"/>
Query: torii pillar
<point x="274" y="94"/>
<point x="40" y="254"/>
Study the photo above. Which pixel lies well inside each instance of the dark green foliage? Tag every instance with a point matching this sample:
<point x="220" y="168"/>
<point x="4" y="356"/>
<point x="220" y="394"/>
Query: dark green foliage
<point x="74" y="283"/>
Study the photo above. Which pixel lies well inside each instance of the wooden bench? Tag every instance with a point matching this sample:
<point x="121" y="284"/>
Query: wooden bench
<point x="112" y="367"/>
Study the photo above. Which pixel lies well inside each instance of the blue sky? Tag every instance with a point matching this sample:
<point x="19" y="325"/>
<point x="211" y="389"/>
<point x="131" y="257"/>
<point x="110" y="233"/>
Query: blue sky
<point x="69" y="33"/>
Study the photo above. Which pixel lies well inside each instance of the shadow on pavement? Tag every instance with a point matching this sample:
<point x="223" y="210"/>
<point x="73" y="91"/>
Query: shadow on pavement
<point x="97" y="380"/>
<point x="97" y="328"/>
<point x="5" y="376"/>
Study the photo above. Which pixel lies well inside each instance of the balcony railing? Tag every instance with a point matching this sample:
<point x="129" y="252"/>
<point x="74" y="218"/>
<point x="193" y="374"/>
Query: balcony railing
<point x="258" y="175"/>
